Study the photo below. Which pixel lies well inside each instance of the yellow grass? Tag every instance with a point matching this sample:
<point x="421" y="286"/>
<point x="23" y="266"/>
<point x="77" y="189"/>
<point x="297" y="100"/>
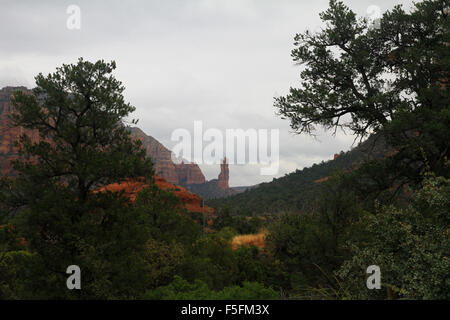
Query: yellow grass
<point x="257" y="240"/>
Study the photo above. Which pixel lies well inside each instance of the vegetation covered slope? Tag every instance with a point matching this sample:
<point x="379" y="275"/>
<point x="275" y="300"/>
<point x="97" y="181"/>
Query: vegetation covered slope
<point x="296" y="191"/>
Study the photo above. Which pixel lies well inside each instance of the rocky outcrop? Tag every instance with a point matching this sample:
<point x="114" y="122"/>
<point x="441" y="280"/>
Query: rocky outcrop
<point x="184" y="173"/>
<point x="224" y="176"/>
<point x="189" y="201"/>
<point x="189" y="173"/>
<point x="215" y="188"/>
<point x="160" y="155"/>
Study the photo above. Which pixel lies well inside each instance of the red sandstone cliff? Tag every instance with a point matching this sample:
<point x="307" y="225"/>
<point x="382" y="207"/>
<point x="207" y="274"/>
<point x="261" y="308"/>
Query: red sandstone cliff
<point x="181" y="174"/>
<point x="224" y="176"/>
<point x="189" y="173"/>
<point x="185" y="173"/>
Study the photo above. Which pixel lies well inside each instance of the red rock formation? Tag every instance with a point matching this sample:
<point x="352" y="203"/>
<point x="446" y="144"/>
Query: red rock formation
<point x="162" y="163"/>
<point x="190" y="201"/>
<point x="185" y="173"/>
<point x="181" y="174"/>
<point x="224" y="176"/>
<point x="189" y="173"/>
<point x="215" y="188"/>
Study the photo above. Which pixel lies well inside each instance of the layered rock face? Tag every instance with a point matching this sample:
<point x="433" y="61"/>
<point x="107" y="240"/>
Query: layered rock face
<point x="8" y="152"/>
<point x="189" y="173"/>
<point x="162" y="163"/>
<point x="180" y="174"/>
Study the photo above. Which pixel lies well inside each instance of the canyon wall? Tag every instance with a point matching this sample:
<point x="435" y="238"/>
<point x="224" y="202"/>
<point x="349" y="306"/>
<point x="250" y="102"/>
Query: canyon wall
<point x="184" y="173"/>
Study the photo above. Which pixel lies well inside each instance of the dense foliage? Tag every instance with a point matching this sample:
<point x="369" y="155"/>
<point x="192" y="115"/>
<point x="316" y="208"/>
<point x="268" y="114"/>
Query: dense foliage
<point x="411" y="245"/>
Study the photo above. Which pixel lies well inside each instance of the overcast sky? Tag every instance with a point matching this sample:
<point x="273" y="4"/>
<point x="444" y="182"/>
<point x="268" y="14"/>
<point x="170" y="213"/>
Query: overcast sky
<point x="219" y="61"/>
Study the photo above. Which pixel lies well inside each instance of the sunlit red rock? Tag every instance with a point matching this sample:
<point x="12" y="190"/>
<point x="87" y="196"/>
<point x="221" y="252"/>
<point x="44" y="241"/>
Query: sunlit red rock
<point x="190" y="201"/>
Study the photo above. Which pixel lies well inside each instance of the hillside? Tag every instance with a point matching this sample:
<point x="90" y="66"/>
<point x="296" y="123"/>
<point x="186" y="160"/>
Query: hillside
<point x="297" y="190"/>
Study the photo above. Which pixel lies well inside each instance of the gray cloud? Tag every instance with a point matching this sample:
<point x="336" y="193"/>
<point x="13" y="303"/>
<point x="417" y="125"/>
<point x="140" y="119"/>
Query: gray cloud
<point x="219" y="61"/>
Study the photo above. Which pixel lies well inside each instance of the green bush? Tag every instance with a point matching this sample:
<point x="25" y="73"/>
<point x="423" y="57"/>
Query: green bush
<point x="181" y="289"/>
